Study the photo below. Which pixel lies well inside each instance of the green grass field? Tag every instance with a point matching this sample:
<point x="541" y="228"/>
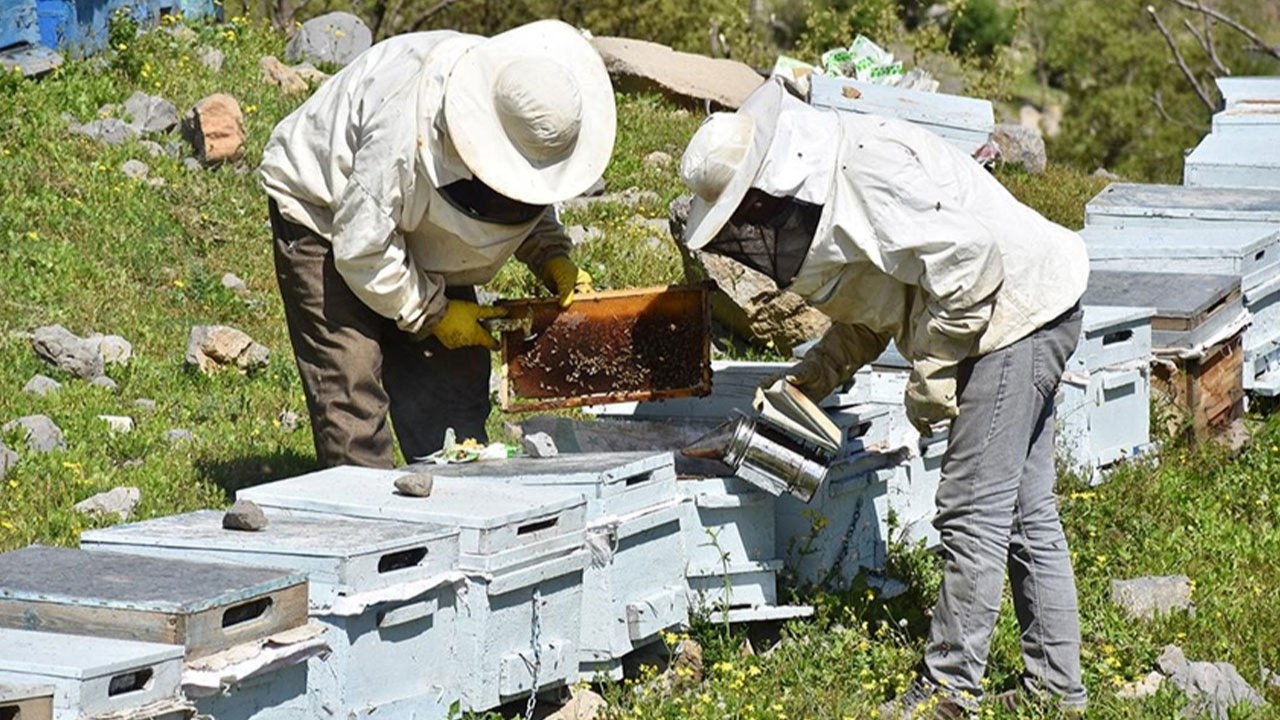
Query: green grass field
<point x="82" y="245"/>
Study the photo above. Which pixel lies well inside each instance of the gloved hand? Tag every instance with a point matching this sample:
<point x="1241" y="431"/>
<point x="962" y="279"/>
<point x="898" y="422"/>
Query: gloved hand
<point x="833" y="360"/>
<point x="931" y="394"/>
<point x="814" y="375"/>
<point x="564" y="278"/>
<point x="460" y="326"/>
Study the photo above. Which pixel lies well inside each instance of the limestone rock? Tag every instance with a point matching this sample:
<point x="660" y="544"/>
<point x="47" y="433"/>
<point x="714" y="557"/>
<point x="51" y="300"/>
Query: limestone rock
<point x="150" y="114"/>
<point x="1145" y="597"/>
<point x="688" y="655"/>
<point x="747" y="301"/>
<point x="1020" y="145"/>
<point x="111" y="131"/>
<point x="8" y="459"/>
<point x="66" y="351"/>
<point x="583" y="704"/>
<point x="114" y="349"/>
<point x="41" y="434"/>
<point x="642" y="65"/>
<point x="178" y="436"/>
<point x="245" y="515"/>
<point x="281" y="75"/>
<point x="106" y="383"/>
<point x="419" y="484"/>
<point x="119" y="424"/>
<point x="192" y="164"/>
<point x="332" y="39"/>
<point x="631" y="197"/>
<point x="215" y="128"/>
<point x="308" y="72"/>
<point x="211" y="58"/>
<point x="580" y="234"/>
<point x="1141" y="688"/>
<point x="1212" y="688"/>
<point x="658" y="160"/>
<point x="539" y="445"/>
<point x="119" y="501"/>
<point x="234" y="284"/>
<point x="146" y="404"/>
<point x="135" y="169"/>
<point x="288" y="420"/>
<point x="210" y="347"/>
<point x="41" y="385"/>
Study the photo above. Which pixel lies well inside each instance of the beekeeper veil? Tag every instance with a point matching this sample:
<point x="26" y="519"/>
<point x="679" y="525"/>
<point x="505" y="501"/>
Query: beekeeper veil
<point x="761" y="178"/>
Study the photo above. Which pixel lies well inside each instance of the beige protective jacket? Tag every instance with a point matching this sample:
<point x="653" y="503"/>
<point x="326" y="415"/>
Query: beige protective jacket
<point x="359" y="163"/>
<point x="917" y="243"/>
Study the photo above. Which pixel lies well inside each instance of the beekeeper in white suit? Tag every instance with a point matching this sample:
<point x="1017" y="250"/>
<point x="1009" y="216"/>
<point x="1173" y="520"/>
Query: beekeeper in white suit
<point x="406" y="179"/>
<point x="896" y="234"/>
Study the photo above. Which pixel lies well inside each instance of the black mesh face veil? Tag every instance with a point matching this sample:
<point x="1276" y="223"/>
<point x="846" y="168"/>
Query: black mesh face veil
<point x="777" y="248"/>
<point x="485" y="204"/>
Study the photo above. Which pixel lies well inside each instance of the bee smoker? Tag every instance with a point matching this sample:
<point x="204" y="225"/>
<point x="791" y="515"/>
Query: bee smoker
<point x="764" y="456"/>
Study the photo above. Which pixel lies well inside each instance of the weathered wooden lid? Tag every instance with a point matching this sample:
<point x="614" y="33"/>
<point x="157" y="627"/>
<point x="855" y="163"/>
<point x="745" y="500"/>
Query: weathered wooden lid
<point x="1172" y="295"/>
<point x="584" y="469"/>
<point x="1179" y="201"/>
<point x="1105" y="318"/>
<point x="78" y="657"/>
<point x="14" y="693"/>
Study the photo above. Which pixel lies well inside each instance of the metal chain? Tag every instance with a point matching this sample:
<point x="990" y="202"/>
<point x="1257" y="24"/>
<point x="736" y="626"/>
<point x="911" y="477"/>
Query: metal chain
<point x="845" y="541"/>
<point x="536" y="636"/>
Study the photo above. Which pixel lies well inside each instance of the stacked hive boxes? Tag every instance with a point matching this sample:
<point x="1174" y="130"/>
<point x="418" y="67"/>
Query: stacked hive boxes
<point x="1243" y="148"/>
<point x="384" y="590"/>
<point x="522" y="550"/>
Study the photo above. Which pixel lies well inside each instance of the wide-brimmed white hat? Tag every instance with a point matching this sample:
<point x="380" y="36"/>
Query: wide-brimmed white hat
<point x="531" y="112"/>
<point x="723" y="159"/>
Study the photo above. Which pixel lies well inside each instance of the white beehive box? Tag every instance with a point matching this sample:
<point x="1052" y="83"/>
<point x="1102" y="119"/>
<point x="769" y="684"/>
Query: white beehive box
<point x="93" y="676"/>
<point x="1103" y="417"/>
<point x="521" y="546"/>
<point x="733" y="385"/>
<point x="1234" y="161"/>
<point x="1248" y="90"/>
<point x="26" y="702"/>
<point x="385" y="589"/>
<point x="1251" y="121"/>
<point x="1169" y="207"/>
<point x="965" y="122"/>
<point x="829" y="540"/>
<point x="1111" y="335"/>
<point x="1186" y="248"/>
<point x="1262" y="337"/>
<point x="913" y="491"/>
<point x="1190" y="310"/>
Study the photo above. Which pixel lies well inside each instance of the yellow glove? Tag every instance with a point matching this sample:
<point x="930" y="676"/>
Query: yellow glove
<point x="564" y="278"/>
<point x="460" y="326"/>
<point x="931" y="394"/>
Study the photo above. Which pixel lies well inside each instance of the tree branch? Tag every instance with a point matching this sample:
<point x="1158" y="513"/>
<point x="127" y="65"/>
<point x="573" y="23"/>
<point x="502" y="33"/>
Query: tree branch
<point x="1157" y="99"/>
<point x="1234" y="24"/>
<point x="1177" y="55"/>
<point x="430" y="13"/>
<point x="1206" y="42"/>
<point x="1208" y="36"/>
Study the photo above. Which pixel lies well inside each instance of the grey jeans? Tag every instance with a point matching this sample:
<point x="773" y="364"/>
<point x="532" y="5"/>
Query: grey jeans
<point x="357" y="366"/>
<point x="996" y="510"/>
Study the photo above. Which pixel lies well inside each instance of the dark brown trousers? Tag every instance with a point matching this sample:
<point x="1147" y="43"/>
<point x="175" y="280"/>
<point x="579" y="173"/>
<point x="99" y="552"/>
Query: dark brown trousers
<point x="357" y="365"/>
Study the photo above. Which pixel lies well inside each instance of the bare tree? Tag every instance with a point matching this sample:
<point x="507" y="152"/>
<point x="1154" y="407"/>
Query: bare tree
<point x="1209" y="18"/>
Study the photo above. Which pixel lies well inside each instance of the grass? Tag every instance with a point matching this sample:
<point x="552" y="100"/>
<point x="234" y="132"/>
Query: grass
<point x="83" y="246"/>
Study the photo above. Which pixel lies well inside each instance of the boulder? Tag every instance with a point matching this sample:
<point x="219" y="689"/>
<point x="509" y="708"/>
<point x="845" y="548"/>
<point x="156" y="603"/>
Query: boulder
<point x="41" y="385"/>
<point x="281" y="75"/>
<point x="308" y="72"/>
<point x="233" y="283"/>
<point x="215" y="129"/>
<point x="150" y="114"/>
<point x="1213" y="688"/>
<point x="39" y="432"/>
<point x="1021" y="145"/>
<point x="419" y="484"/>
<point x="114" y="349"/>
<point x="210" y="347"/>
<point x="539" y="445"/>
<point x="1145" y="597"/>
<point x="332" y="39"/>
<point x="66" y="351"/>
<point x="645" y="66"/>
<point x="245" y="515"/>
<point x="583" y="704"/>
<point x="119" y="501"/>
<point x="111" y="131"/>
<point x="746" y="301"/>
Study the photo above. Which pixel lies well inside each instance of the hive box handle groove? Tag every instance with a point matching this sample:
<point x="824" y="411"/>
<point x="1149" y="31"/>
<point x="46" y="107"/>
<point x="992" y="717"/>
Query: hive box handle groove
<point x="10" y="712"/>
<point x="534" y="527"/>
<point x="1118" y="336"/>
<point x="401" y="560"/>
<point x="246" y="612"/>
<point x="637" y="479"/>
<point x="130" y="682"/>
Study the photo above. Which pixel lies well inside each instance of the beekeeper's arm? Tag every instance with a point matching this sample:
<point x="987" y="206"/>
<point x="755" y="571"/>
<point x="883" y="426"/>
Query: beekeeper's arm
<point x="835" y="358"/>
<point x="927" y="238"/>
<point x="546" y="252"/>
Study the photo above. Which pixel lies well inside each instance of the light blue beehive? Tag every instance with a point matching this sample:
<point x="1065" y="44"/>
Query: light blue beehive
<point x="1237" y="91"/>
<point x="522" y="548"/>
<point x="1170" y="207"/>
<point x="1234" y="161"/>
<point x="386" y="591"/>
<point x="92" y="676"/>
<point x="966" y="122"/>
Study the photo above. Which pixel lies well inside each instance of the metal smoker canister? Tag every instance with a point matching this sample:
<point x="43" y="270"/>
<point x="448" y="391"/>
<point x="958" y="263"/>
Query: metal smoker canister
<point x="766" y="457"/>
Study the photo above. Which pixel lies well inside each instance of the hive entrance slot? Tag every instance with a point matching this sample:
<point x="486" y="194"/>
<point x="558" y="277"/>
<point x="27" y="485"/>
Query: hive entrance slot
<point x="401" y="560"/>
<point x="1118" y="336"/>
<point x="1260" y="254"/>
<point x="637" y="479"/>
<point x="534" y="527"/>
<point x="129" y="682"/>
<point x="245" y="612"/>
<point x="10" y="712"/>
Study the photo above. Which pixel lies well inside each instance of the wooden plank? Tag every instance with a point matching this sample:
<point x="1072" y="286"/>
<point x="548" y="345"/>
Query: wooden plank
<point x="1209" y="392"/>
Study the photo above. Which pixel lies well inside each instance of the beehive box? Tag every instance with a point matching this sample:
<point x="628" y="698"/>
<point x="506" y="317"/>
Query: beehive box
<point x="521" y="546"/>
<point x="733" y="385"/>
<point x="1191" y="310"/>
<point x="1248" y="120"/>
<point x="1262" y="337"/>
<point x="913" y="491"/>
<point x="1234" y="161"/>
<point x="1207" y="389"/>
<point x="1111" y="335"/>
<point x="386" y="590"/>
<point x="204" y="607"/>
<point x="1168" y="207"/>
<point x="829" y="540"/>
<point x="1240" y="250"/>
<point x="93" y="676"/>
<point x="966" y="122"/>
<point x="1246" y="90"/>
<point x="1103" y="417"/>
<point x="26" y="702"/>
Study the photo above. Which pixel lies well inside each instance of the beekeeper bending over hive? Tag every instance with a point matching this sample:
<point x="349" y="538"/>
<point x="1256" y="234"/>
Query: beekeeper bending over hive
<point x="409" y="177"/>
<point x="895" y="234"/>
